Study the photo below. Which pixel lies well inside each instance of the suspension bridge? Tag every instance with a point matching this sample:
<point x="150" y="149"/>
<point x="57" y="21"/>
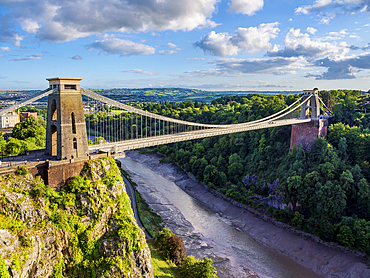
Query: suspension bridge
<point x="125" y="127"/>
<point x="82" y="123"/>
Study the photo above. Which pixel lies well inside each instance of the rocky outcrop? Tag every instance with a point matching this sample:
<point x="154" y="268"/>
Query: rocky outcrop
<point x="85" y="229"/>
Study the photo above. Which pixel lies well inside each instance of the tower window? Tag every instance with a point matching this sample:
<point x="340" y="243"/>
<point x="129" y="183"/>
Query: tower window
<point x="73" y="123"/>
<point x="53" y="111"/>
<point x="70" y="87"/>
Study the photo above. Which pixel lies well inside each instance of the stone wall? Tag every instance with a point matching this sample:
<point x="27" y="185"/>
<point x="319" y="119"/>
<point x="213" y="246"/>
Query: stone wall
<point x="55" y="172"/>
<point x="58" y="172"/>
<point x="57" y="175"/>
<point x="305" y="134"/>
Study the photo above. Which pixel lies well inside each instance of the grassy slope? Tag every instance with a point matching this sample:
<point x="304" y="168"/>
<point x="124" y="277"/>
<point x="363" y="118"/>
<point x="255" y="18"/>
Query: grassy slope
<point x="151" y="221"/>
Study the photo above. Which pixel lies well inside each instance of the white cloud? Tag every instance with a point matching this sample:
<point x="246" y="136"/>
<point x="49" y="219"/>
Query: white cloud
<point x="60" y="20"/>
<point x="311" y="30"/>
<point x="275" y="65"/>
<point x="17" y="40"/>
<point x="167" y="52"/>
<point x="324" y="18"/>
<point x="196" y="59"/>
<point x="5" y="48"/>
<point x="29" y="25"/>
<point x="29" y="58"/>
<point x="248" y="7"/>
<point x="241" y="67"/>
<point x="76" y="57"/>
<point x="172" y="45"/>
<point x="139" y="71"/>
<point x="317" y="5"/>
<point x="251" y="40"/>
<point x="332" y="36"/>
<point x="343" y="68"/>
<point x="175" y="49"/>
<point x="299" y="44"/>
<point x="121" y="47"/>
<point x="347" y="6"/>
<point x="341" y="33"/>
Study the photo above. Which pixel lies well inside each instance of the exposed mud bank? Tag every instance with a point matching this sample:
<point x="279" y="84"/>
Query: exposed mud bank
<point x="324" y="260"/>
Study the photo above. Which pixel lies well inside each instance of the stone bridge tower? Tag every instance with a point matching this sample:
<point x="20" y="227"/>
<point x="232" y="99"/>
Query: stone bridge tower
<point x="66" y="136"/>
<point x="311" y="105"/>
<point x="305" y="134"/>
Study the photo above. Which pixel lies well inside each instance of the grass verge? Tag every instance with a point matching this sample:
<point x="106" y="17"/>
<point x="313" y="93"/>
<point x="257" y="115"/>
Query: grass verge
<point x="161" y="267"/>
<point x="151" y="220"/>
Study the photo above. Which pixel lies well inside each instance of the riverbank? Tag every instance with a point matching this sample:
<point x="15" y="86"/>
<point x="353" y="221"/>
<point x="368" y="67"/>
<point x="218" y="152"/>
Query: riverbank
<point x="307" y="252"/>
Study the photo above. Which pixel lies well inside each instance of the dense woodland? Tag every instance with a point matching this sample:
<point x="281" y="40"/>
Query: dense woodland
<point x="327" y="187"/>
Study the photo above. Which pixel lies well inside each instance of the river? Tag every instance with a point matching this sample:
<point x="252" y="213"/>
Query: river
<point x="235" y="253"/>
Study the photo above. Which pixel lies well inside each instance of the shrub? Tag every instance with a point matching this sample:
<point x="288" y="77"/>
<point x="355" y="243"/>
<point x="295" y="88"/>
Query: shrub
<point x="171" y="246"/>
<point x="345" y="236"/>
<point x="3" y="269"/>
<point x="22" y="170"/>
<point x="58" y="268"/>
<point x="176" y="249"/>
<point x="297" y="220"/>
<point x="161" y="238"/>
<point x="193" y="268"/>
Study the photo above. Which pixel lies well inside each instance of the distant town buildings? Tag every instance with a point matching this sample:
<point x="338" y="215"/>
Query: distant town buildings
<point x="26" y="115"/>
<point x="88" y="109"/>
<point x="9" y="120"/>
<point x="7" y="102"/>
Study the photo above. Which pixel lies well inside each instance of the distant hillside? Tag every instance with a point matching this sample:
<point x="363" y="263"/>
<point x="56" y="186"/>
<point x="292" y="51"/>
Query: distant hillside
<point x="175" y="94"/>
<point x="152" y="94"/>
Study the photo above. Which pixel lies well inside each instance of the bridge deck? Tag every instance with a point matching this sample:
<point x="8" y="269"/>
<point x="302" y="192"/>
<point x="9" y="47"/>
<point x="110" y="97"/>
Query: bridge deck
<point x="121" y="146"/>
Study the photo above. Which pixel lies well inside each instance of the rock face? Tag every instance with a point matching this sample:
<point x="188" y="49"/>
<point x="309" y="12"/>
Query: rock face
<point x="86" y="229"/>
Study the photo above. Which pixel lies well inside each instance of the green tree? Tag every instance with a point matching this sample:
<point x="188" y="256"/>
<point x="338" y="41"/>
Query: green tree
<point x="235" y="171"/>
<point x="347" y="181"/>
<point x="14" y="146"/>
<point x="345" y="236"/>
<point x="297" y="220"/>
<point x="295" y="190"/>
<point x="235" y="158"/>
<point x="175" y="249"/>
<point x="31" y="128"/>
<point x="99" y="140"/>
<point x="161" y="238"/>
<point x="2" y="143"/>
<point x="342" y="148"/>
<point x="210" y="173"/>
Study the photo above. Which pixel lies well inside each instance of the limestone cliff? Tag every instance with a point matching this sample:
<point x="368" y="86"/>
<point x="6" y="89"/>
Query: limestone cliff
<point x="86" y="229"/>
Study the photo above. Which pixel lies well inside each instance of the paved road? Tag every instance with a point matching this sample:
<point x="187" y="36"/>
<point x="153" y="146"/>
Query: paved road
<point x="131" y="193"/>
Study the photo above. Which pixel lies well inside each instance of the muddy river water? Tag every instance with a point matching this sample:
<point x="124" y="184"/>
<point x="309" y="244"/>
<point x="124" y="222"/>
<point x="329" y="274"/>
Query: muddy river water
<point x="209" y="229"/>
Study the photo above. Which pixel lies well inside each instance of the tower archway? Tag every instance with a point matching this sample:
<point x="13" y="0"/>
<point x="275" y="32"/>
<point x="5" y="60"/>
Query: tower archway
<point x="54" y="140"/>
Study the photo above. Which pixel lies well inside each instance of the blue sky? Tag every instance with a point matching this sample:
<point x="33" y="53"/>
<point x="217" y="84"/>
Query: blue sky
<point x="204" y="44"/>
